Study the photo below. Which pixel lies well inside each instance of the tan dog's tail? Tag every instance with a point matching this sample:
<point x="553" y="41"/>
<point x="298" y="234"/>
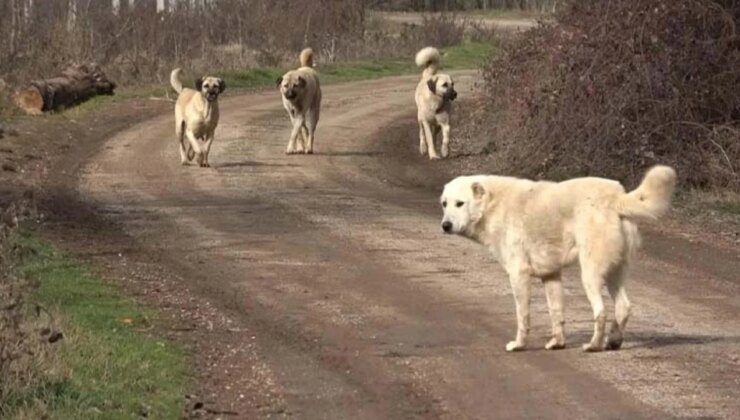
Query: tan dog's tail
<point x="652" y="198"/>
<point x="306" y="58"/>
<point x="429" y="59"/>
<point x="176" y="80"/>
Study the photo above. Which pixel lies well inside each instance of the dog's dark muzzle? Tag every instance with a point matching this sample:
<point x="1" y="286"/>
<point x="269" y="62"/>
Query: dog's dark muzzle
<point x="447" y="227"/>
<point x="452" y="95"/>
<point x="290" y="94"/>
<point x="212" y="95"/>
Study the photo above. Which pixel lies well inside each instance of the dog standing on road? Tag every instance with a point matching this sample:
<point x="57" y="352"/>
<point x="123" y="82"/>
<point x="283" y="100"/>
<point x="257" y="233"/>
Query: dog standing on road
<point x="301" y="95"/>
<point x="537" y="228"/>
<point x="196" y="116"/>
<point x="434" y="95"/>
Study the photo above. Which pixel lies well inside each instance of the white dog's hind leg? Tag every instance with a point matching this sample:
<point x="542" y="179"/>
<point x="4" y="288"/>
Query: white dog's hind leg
<point x="521" y="285"/>
<point x="615" y="284"/>
<point x="430" y="140"/>
<point x="445" y="140"/>
<point x="593" y="282"/>
<point x="554" y="294"/>
<point x="311" y="131"/>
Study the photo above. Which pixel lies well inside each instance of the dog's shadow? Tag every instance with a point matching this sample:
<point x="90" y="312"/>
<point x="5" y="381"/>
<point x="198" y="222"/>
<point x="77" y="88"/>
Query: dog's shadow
<point x="341" y="154"/>
<point x="654" y="340"/>
<point x="251" y="164"/>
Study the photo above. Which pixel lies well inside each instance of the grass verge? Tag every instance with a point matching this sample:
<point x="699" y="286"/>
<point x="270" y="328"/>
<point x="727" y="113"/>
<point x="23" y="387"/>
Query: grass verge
<point x="106" y="366"/>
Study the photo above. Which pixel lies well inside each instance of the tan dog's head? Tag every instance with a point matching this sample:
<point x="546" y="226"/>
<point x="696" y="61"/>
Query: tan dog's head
<point x="292" y="85"/>
<point x="463" y="200"/>
<point x="442" y="85"/>
<point x="210" y="87"/>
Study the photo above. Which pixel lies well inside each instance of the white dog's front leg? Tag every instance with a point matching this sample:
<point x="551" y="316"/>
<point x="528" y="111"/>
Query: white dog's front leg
<point x="445" y="139"/>
<point x="430" y="140"/>
<point x="422" y="142"/>
<point x="207" y="151"/>
<point x="521" y="285"/>
<point x="298" y="122"/>
<point x="195" y="147"/>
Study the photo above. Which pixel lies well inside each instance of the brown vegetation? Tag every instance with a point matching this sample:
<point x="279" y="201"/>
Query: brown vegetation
<point x="614" y="87"/>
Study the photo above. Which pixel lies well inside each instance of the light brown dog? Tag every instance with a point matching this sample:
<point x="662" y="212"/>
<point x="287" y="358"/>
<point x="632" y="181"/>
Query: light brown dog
<point x="434" y="95"/>
<point x="301" y="93"/>
<point x="196" y="116"/>
<point x="535" y="229"/>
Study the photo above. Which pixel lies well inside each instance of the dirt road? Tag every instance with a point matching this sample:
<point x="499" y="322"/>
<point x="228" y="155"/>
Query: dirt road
<point x="338" y="297"/>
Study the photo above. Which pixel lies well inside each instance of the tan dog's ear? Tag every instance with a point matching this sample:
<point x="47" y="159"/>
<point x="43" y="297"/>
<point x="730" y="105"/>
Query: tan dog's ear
<point x="221" y="86"/>
<point x="199" y="84"/>
<point x="478" y="190"/>
<point x="432" y="84"/>
<point x="279" y="81"/>
<point x="301" y="81"/>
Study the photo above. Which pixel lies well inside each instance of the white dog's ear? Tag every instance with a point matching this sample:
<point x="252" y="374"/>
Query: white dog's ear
<point x="199" y="84"/>
<point x="301" y="81"/>
<point x="221" y="86"/>
<point x="432" y="84"/>
<point x="279" y="81"/>
<point x="478" y="190"/>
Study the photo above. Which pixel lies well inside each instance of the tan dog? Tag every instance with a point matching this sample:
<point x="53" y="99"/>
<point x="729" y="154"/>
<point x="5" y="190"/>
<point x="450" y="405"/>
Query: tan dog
<point x="301" y="95"/>
<point x="434" y="95"/>
<point x="196" y="116"/>
<point x="537" y="228"/>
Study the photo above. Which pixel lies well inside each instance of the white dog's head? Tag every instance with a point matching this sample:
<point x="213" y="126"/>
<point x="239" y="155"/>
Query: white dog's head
<point x="442" y="85"/>
<point x="292" y="85"/>
<point x="463" y="202"/>
<point x="210" y="87"/>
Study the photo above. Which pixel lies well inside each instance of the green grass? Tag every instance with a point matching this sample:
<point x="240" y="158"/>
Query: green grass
<point x="465" y="56"/>
<point x="106" y="366"/>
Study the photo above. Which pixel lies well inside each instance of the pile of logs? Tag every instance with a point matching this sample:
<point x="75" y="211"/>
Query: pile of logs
<point x="74" y="85"/>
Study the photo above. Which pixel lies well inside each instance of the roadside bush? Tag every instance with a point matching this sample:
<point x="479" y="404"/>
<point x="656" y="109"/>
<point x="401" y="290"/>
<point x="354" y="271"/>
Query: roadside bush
<point x="611" y="88"/>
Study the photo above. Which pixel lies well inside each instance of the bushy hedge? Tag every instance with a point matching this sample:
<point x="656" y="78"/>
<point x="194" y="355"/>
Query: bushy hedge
<point x="610" y="88"/>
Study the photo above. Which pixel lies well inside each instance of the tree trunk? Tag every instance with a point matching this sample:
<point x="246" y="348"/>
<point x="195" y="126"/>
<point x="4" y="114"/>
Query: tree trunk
<point x="76" y="84"/>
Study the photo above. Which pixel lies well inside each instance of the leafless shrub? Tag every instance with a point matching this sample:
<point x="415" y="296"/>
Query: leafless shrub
<point x="614" y="87"/>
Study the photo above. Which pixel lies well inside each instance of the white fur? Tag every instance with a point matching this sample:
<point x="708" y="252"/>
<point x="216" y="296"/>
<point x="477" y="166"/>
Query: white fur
<point x="434" y="95"/>
<point x="537" y="228"/>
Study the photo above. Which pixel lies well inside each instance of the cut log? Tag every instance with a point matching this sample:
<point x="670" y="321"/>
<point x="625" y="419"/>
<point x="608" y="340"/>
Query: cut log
<point x="75" y="84"/>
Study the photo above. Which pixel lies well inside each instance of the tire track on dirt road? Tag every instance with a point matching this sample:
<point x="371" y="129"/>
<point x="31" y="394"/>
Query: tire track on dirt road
<point x="356" y="305"/>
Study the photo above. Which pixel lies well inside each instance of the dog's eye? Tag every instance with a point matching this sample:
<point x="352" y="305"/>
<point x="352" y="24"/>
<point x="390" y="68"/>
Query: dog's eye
<point x="445" y="84"/>
<point x="459" y="204"/>
<point x="444" y="204"/>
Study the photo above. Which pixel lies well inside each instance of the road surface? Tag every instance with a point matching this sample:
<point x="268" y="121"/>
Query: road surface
<point x="340" y="298"/>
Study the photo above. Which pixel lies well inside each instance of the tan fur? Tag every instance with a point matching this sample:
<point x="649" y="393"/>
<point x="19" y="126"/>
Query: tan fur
<point x="434" y="95"/>
<point x="301" y="93"/>
<point x="535" y="229"/>
<point x="196" y="117"/>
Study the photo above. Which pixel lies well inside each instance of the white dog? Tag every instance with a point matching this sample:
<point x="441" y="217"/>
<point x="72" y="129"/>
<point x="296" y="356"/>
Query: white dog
<point x="434" y="95"/>
<point x="537" y="228"/>
<point x="196" y="116"/>
<point x="301" y="94"/>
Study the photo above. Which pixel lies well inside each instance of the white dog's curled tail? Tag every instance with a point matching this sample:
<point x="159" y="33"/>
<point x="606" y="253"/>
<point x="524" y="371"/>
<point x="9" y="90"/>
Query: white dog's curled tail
<point x="176" y="80"/>
<point x="652" y="198"/>
<point x="429" y="59"/>
<point x="306" y="57"/>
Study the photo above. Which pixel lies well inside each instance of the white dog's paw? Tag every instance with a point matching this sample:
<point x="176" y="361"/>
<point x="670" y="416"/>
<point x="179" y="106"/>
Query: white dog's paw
<point x="445" y="151"/>
<point x="555" y="343"/>
<point x="593" y="348"/>
<point x="515" y="346"/>
<point x="423" y="149"/>
<point x="289" y="151"/>
<point x="309" y="151"/>
<point x="434" y="157"/>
